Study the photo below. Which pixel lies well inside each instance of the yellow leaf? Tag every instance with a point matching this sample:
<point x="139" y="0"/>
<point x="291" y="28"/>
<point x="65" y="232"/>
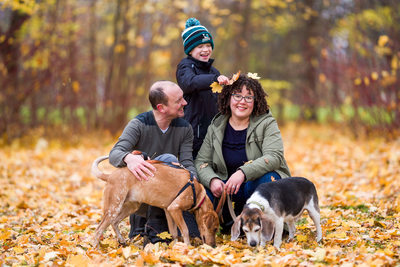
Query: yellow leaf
<point x="374" y="76"/>
<point x="383" y="39"/>
<point x="216" y="87"/>
<point x="351" y="224"/>
<point x="301" y="238"/>
<point x="165" y="235"/>
<point x="119" y="48"/>
<point x="322" y="78"/>
<point x="339" y="235"/>
<point x="202" y="166"/>
<point x="5" y="235"/>
<point x="380" y="224"/>
<point x="319" y="255"/>
<point x="109" y="242"/>
<point x="366" y="81"/>
<point x="395" y="63"/>
<point x="149" y="258"/>
<point x="357" y="81"/>
<point x="76" y="86"/>
<point x="77" y="260"/>
<point x="18" y="250"/>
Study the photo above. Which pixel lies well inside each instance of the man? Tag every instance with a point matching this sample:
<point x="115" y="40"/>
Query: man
<point x="161" y="132"/>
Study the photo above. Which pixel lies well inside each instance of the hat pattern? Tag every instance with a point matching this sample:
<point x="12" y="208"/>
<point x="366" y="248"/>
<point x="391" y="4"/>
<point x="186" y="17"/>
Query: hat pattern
<point x="195" y="34"/>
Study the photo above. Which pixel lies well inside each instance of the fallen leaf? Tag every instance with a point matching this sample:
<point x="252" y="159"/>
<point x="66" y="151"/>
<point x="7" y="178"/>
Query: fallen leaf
<point x="164" y="235"/>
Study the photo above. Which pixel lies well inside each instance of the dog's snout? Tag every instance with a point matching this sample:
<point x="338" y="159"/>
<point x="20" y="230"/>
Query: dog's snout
<point x="253" y="243"/>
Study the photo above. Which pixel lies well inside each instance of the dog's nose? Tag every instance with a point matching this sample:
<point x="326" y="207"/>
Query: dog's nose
<point x="253" y="243"/>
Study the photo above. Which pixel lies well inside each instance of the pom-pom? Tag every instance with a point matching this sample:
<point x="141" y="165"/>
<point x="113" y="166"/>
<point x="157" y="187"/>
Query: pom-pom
<point x="192" y="22"/>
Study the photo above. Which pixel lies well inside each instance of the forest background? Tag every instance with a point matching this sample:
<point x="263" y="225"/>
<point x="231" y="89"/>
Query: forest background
<point x="72" y="73"/>
<point x="88" y="64"/>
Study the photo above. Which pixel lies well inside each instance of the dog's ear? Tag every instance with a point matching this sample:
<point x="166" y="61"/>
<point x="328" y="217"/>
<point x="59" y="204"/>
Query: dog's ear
<point x="235" y="230"/>
<point x="267" y="228"/>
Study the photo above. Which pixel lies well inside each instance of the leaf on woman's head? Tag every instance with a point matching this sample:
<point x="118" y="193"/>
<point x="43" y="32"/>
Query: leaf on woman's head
<point x="253" y="75"/>
<point x="234" y="77"/>
<point x="216" y="87"/>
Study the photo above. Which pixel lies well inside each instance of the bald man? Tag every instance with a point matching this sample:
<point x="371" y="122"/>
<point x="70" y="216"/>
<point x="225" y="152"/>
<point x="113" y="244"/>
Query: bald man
<point x="163" y="134"/>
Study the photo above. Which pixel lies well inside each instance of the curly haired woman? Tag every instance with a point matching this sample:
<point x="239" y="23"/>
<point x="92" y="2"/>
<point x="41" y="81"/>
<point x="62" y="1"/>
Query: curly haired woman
<point x="243" y="146"/>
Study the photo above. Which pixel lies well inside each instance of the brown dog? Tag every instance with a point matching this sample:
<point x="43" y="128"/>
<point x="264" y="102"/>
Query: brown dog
<point x="170" y="189"/>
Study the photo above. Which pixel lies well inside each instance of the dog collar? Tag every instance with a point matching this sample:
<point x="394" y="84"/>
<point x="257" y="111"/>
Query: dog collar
<point x="258" y="204"/>
<point x="199" y="205"/>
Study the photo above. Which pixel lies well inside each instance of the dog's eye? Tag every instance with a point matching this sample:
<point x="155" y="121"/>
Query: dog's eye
<point x="245" y="230"/>
<point x="256" y="230"/>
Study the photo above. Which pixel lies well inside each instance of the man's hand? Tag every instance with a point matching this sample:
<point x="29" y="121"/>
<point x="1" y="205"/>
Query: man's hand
<point x="139" y="167"/>
<point x="216" y="187"/>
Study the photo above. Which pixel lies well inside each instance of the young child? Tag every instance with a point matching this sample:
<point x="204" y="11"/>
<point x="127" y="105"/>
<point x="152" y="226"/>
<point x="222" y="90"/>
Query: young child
<point x="194" y="75"/>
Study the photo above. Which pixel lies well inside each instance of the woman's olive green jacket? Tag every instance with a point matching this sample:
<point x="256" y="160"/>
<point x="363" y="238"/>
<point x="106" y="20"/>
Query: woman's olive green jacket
<point x="264" y="150"/>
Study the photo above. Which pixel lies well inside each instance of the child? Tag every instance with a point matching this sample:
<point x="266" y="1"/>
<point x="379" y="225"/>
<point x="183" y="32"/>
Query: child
<point x="194" y="75"/>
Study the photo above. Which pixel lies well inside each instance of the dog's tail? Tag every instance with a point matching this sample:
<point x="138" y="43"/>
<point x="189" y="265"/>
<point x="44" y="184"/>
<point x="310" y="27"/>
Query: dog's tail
<point x="96" y="171"/>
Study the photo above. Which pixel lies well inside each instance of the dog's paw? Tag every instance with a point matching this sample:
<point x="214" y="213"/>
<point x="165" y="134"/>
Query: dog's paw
<point x="277" y="245"/>
<point x="94" y="243"/>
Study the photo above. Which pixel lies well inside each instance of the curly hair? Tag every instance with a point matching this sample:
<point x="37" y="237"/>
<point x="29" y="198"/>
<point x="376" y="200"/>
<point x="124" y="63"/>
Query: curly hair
<point x="260" y="102"/>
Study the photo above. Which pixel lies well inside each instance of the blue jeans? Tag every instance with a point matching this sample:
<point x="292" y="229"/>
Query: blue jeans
<point x="167" y="158"/>
<point x="245" y="191"/>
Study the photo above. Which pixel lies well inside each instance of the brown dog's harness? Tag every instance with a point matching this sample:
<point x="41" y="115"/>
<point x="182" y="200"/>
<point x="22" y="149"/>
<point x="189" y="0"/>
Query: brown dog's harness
<point x="191" y="184"/>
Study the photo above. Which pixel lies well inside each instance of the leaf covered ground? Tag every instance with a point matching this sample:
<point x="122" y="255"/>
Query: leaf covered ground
<point x="50" y="206"/>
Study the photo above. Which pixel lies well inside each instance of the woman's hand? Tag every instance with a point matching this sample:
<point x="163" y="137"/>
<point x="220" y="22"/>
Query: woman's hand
<point x="234" y="182"/>
<point x="216" y="187"/>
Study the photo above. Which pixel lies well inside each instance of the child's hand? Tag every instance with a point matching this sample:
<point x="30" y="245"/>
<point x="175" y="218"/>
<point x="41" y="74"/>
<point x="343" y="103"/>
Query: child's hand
<point x="222" y="79"/>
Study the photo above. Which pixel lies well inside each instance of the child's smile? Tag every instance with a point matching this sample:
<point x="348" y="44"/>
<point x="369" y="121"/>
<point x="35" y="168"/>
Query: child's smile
<point x="202" y="52"/>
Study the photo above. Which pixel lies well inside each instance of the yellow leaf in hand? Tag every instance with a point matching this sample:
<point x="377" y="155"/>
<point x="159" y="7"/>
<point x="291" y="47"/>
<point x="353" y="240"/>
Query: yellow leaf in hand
<point x="216" y="87"/>
<point x="165" y="235"/>
<point x="253" y="75"/>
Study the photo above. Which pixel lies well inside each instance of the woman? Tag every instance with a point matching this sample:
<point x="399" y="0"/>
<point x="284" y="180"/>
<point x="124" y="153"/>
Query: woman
<point x="243" y="146"/>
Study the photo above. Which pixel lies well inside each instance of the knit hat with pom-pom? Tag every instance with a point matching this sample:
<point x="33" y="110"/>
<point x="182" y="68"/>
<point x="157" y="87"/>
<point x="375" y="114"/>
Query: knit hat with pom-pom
<point x="195" y="34"/>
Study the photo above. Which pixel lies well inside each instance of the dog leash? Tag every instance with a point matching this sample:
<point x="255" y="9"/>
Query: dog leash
<point x="221" y="204"/>
<point x="230" y="207"/>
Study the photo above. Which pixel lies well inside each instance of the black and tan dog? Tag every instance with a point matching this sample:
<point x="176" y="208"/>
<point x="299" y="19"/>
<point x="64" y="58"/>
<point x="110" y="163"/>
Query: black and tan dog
<point x="172" y="189"/>
<point x="273" y="204"/>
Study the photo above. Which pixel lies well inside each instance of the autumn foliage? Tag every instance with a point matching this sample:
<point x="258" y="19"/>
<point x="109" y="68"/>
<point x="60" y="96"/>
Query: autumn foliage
<point x="50" y="205"/>
<point x="89" y="63"/>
